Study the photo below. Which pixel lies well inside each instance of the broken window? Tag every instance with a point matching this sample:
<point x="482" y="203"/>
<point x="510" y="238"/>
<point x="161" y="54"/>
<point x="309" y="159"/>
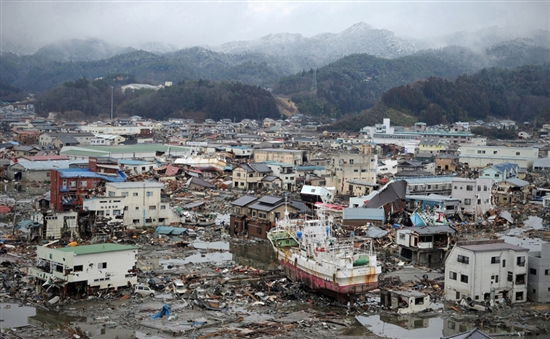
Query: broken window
<point x="452" y="275"/>
<point x="464" y="278"/>
<point x="519" y="296"/>
<point x="78" y="268"/>
<point x="102" y="265"/>
<point x="419" y="301"/>
<point x="520" y="279"/>
<point x="520" y="261"/>
<point x="533" y="271"/>
<point x="510" y="276"/>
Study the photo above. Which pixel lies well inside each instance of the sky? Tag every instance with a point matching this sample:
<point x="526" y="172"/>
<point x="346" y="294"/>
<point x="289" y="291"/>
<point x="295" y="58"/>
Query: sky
<point x="193" y="23"/>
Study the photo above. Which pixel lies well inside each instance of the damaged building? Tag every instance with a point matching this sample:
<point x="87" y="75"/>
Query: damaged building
<point x="425" y="246"/>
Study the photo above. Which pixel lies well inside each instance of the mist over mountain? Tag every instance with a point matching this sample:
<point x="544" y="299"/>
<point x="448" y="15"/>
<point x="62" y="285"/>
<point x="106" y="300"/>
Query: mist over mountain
<point x="263" y="61"/>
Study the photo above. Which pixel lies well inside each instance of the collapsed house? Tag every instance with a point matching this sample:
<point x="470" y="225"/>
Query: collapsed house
<point x="405" y="302"/>
<point x="425" y="245"/>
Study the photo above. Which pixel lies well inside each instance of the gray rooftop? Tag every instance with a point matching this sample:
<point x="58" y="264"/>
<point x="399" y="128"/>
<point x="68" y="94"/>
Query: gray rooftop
<point x="488" y="246"/>
<point x="244" y="200"/>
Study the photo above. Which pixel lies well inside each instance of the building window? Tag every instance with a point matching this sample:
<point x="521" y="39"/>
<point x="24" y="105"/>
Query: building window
<point x="262" y="215"/>
<point x="149" y="194"/>
<point x="519" y="296"/>
<point x="520" y="261"/>
<point x="83" y="183"/>
<point x="533" y="271"/>
<point x="467" y="201"/>
<point x="124" y="194"/>
<point x="546" y="272"/>
<point x="452" y="275"/>
<point x="469" y="187"/>
<point x="495" y="260"/>
<point x="135" y="194"/>
<point x="78" y="268"/>
<point x="259" y="230"/>
<point x="457" y="295"/>
<point x="464" y="278"/>
<point x="162" y="207"/>
<point x="520" y="279"/>
<point x="510" y="276"/>
<point x="102" y="265"/>
<point x="503" y="262"/>
<point x="116" y="212"/>
<point x="463" y="259"/>
<point x="137" y="208"/>
<point x="494" y="278"/>
<point x="135" y="221"/>
<point x="152" y="208"/>
<point x="517" y="153"/>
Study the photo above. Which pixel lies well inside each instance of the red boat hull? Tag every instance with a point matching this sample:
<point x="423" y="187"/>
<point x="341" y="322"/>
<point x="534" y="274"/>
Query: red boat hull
<point x="325" y="286"/>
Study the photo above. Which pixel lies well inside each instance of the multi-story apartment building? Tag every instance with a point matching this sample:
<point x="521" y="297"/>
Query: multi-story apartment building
<point x="475" y="194"/>
<point x="136" y="204"/>
<point x="358" y="167"/>
<point x="484" y="270"/>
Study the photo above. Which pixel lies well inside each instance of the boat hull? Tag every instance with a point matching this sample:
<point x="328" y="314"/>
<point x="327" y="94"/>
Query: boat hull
<point x="327" y="286"/>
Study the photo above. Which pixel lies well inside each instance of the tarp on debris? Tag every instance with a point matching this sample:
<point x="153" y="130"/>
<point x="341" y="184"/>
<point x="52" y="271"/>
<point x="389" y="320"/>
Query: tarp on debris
<point x="395" y="190"/>
<point x="506" y="216"/>
<point x="164" y="312"/>
<point x="169" y="230"/>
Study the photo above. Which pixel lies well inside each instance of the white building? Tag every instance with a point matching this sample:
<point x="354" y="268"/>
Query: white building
<point x="59" y="222"/>
<point x="486" y="270"/>
<point x="483" y="156"/>
<point x="92" y="266"/>
<point x="107" y="140"/>
<point x="474" y="194"/>
<point x="135" y="203"/>
<point x="539" y="275"/>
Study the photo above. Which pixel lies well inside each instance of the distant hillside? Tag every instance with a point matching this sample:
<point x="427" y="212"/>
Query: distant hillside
<point x="196" y="99"/>
<point x="79" y="50"/>
<point x="519" y="94"/>
<point x="34" y="74"/>
<point x="356" y="82"/>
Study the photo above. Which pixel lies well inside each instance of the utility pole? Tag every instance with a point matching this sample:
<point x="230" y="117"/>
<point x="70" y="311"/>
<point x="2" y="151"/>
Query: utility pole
<point x="112" y="92"/>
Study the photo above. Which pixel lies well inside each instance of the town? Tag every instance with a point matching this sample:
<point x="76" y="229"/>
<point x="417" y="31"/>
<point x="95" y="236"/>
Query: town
<point x="134" y="215"/>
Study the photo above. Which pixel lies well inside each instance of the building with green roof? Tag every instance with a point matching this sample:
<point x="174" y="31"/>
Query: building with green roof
<point x="88" y="267"/>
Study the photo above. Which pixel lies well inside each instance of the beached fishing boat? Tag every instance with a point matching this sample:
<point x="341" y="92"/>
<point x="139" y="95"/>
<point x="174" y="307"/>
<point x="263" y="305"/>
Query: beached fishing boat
<point x="309" y="253"/>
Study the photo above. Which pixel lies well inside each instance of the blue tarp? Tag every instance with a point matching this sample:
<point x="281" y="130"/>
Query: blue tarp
<point x="164" y="312"/>
<point x="169" y="230"/>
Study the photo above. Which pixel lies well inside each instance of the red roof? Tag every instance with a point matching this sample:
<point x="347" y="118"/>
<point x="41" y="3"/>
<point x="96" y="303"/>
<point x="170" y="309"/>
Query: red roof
<point x="171" y="170"/>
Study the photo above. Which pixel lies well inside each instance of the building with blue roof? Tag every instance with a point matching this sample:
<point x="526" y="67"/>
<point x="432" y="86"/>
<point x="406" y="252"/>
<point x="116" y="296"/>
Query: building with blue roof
<point x="500" y="172"/>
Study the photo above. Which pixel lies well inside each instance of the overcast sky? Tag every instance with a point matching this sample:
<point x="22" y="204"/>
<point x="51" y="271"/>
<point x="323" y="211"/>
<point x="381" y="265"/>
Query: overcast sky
<point x="191" y="23"/>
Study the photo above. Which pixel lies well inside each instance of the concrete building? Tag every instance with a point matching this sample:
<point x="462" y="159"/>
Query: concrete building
<point x="285" y="172"/>
<point x="286" y="156"/>
<point x="429" y="184"/>
<point x="84" y="268"/>
<point x="475" y="195"/>
<point x="483" y="156"/>
<point x="360" y="167"/>
<point x="107" y="140"/>
<point x="538" y="288"/>
<point x="513" y="191"/>
<point x="137" y="204"/>
<point x="484" y="270"/>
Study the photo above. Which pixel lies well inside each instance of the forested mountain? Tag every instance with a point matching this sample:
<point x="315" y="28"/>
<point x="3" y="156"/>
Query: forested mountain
<point x="33" y="74"/>
<point x="197" y="99"/>
<point x="520" y="94"/>
<point x="356" y="82"/>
